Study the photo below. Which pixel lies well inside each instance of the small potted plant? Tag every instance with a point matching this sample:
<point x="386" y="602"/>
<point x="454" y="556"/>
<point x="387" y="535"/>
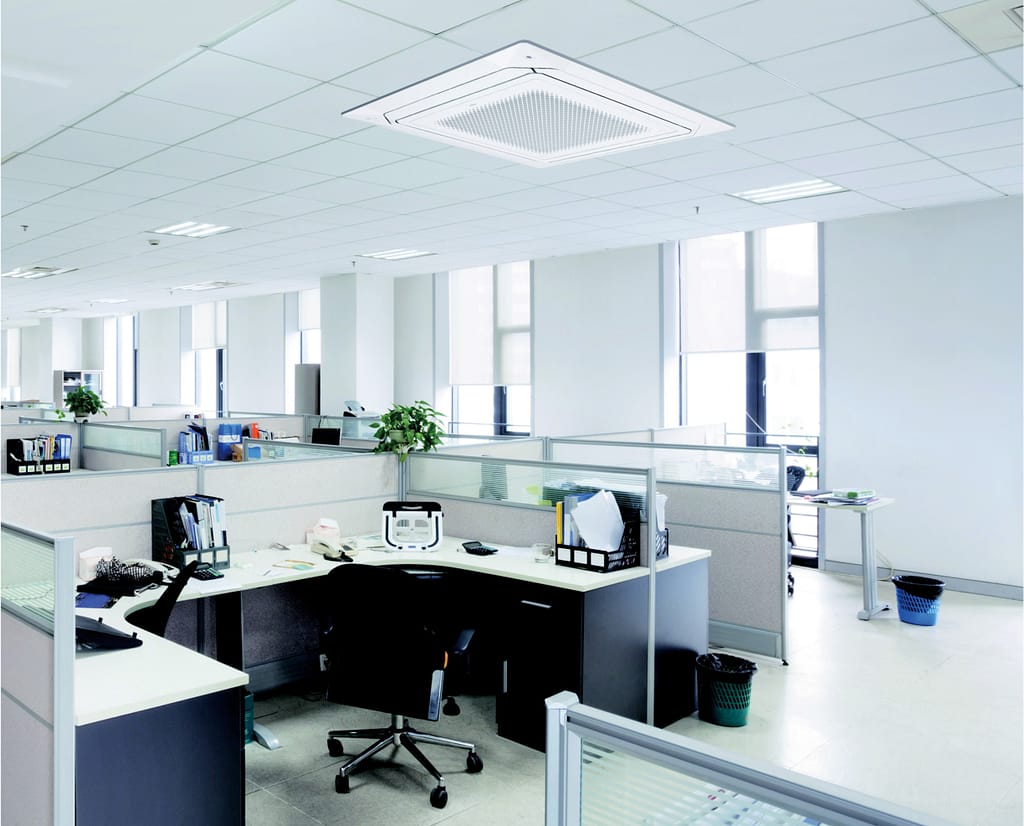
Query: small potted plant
<point x="82" y="402"/>
<point x="408" y="427"/>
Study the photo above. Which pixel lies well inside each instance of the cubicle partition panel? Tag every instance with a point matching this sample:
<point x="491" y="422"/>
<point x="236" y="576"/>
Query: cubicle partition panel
<point x="37" y="756"/>
<point x="499" y="447"/>
<point x="122" y="447"/>
<point x="732" y="502"/>
<point x="703" y="434"/>
<point x="32" y="429"/>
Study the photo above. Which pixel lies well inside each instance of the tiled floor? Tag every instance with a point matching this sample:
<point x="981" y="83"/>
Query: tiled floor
<point x="928" y="717"/>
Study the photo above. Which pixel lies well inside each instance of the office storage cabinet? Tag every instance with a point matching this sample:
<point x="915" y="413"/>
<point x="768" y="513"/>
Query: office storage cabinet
<point x="64" y="381"/>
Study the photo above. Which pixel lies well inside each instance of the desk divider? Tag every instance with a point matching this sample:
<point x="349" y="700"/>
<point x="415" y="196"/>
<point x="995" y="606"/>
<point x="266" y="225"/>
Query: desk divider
<point x="122" y="446"/>
<point x="731" y="501"/>
<point x="38" y="669"/>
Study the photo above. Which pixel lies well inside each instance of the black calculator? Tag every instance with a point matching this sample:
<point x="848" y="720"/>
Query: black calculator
<point x="206" y="571"/>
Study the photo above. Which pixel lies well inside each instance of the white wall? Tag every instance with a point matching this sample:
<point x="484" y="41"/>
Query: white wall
<point x="414" y="339"/>
<point x="160" y="357"/>
<point x="596" y="342"/>
<point x="37" y="362"/>
<point x="922" y="386"/>
<point x="256" y="354"/>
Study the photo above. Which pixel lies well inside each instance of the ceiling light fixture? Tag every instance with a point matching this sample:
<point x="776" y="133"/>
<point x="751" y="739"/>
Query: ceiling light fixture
<point x="50" y="310"/>
<point x="533" y="106"/>
<point x="29" y="273"/>
<point x="192" y="229"/>
<point x="789" y="192"/>
<point x="396" y="254"/>
<point x="108" y="301"/>
<point x="206" y="285"/>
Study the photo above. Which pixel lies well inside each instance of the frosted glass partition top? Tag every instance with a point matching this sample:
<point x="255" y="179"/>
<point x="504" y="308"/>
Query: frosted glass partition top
<point x="518" y="481"/>
<point x="139" y="441"/>
<point x="696" y="464"/>
<point x="27" y="574"/>
<point x="273" y="451"/>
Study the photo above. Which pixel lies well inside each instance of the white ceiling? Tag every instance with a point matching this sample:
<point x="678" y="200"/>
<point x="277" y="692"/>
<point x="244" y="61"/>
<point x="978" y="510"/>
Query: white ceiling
<point x="118" y="120"/>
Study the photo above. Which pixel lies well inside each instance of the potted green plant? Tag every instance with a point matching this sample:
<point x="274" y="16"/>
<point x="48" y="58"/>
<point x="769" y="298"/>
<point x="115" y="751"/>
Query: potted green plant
<point x="82" y="402"/>
<point x="408" y="427"/>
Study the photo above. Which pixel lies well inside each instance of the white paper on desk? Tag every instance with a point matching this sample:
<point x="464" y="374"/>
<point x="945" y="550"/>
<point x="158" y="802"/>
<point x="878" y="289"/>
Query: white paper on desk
<point x="599" y="521"/>
<point x="660" y="500"/>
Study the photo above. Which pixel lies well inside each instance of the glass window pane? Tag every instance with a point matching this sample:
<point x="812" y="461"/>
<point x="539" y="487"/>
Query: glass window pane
<point x="311" y="346"/>
<point x="472" y="326"/>
<point x="206" y="381"/>
<point x="713" y="294"/>
<point x="716" y="390"/>
<point x="515" y="358"/>
<point x="309" y="309"/>
<point x="518" y="403"/>
<point x="474" y="409"/>
<point x="788" y="275"/>
<point x="792" y="393"/>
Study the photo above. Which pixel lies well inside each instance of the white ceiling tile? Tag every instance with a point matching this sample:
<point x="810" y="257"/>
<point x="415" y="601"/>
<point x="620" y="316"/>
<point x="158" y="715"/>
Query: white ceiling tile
<point x="855" y="160"/>
<point x="732" y="91"/>
<point x="664" y="58"/>
<point x="836" y="205"/>
<point x="914" y="45"/>
<point x="343" y="191"/>
<point x="923" y="201"/>
<point x="317" y="110"/>
<point x="757" y="31"/>
<point x="431" y="17"/>
<point x="253" y="140"/>
<point x="992" y="136"/>
<point x="179" y="162"/>
<point x="410" y="173"/>
<point x="406" y="201"/>
<point x="652" y="196"/>
<point x="460" y="213"/>
<point x="320" y="38"/>
<point x="609" y="183"/>
<point x="705" y="163"/>
<point x="209" y="195"/>
<point x="952" y="81"/>
<point x="135" y="116"/>
<point x="29" y="191"/>
<point x="1001" y="178"/>
<point x="797" y="115"/>
<point x="663" y="151"/>
<point x="745" y="179"/>
<point x="472" y="187"/>
<point x="127" y="182"/>
<point x="583" y="31"/>
<point x="554" y="174"/>
<point x="946" y="5"/>
<point x="1011" y="61"/>
<point x="268" y="177"/>
<point x="835" y="138"/>
<point x="986" y="159"/>
<point x="338" y="158"/>
<point x="240" y="86"/>
<point x="394" y="141"/>
<point x="36" y="169"/>
<point x="283" y="206"/>
<point x="895" y="174"/>
<point x="898" y="194"/>
<point x="532" y="198"/>
<point x="467" y="159"/>
<point x="690" y="10"/>
<point x="955" y="114"/>
<point x="96" y="148"/>
<point x="577" y="210"/>
<point x="406" y="67"/>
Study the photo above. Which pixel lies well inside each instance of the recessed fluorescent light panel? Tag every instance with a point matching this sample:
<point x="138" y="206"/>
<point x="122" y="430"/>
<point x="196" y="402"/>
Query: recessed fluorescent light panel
<point x="789" y="192"/>
<point x="192" y="229"/>
<point x="108" y="301"/>
<point x="29" y="273"/>
<point x="395" y="255"/>
<point x="529" y="105"/>
<point x="206" y="285"/>
<point x="50" y="310"/>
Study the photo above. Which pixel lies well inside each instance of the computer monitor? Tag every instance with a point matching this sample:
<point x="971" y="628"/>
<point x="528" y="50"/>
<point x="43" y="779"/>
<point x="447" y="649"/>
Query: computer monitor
<point x="326" y="436"/>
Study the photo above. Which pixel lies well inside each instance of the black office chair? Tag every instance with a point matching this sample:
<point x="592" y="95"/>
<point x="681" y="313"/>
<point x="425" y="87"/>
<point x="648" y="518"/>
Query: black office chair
<point x="154" y="618"/>
<point x="389" y="659"/>
<point x="794" y="477"/>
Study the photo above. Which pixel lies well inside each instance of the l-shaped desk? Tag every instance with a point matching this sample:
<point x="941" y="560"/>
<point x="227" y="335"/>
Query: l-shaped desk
<point x="169" y="717"/>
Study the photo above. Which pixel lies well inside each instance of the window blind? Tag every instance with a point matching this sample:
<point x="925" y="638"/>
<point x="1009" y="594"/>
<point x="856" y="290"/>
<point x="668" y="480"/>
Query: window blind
<point x="209" y="325"/>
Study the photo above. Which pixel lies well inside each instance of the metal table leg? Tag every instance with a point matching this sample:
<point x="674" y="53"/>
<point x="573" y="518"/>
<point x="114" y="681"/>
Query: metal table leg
<point x="868" y="569"/>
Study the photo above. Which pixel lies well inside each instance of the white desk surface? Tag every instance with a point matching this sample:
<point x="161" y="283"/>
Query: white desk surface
<point x="881" y="502"/>
<point x="111" y="683"/>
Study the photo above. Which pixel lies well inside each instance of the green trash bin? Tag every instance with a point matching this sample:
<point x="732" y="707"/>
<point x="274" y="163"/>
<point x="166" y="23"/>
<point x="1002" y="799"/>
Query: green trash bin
<point x="723" y="689"/>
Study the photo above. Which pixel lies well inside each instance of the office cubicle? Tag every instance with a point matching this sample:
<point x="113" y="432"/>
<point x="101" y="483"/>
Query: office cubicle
<point x="602" y="768"/>
<point x="38" y="658"/>
<point x="730" y="500"/>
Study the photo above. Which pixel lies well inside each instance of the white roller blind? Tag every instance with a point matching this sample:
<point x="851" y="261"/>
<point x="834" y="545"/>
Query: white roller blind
<point x="309" y="309"/>
<point x="12" y="358"/>
<point x="209" y="325"/>
<point x="490" y="324"/>
<point x="752" y="292"/>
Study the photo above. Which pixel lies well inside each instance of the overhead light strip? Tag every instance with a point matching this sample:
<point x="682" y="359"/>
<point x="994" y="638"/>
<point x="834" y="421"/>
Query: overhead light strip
<point x="192" y="229"/>
<point x="396" y="254"/>
<point x="789" y="192"/>
<point x="29" y="273"/>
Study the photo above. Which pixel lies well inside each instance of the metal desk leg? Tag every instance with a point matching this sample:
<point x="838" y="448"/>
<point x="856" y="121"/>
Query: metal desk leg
<point x="869" y="568"/>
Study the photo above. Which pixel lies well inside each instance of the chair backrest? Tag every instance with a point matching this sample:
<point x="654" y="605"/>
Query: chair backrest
<point x="154" y="618"/>
<point x="382" y="652"/>
<point x="794" y="476"/>
<point x="326" y="436"/>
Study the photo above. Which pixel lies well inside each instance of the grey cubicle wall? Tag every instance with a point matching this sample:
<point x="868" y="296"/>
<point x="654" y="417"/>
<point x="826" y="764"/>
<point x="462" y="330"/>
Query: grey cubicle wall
<point x="122" y="446"/>
<point x="732" y="502"/>
<point x="37" y="701"/>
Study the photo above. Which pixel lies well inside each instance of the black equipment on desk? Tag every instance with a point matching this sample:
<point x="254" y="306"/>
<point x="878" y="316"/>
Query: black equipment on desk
<point x="93" y="633"/>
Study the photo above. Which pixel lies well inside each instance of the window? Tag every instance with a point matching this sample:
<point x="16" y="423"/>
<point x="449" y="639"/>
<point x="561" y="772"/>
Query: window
<point x="309" y="326"/>
<point x="209" y="337"/>
<point x="490" y="321"/>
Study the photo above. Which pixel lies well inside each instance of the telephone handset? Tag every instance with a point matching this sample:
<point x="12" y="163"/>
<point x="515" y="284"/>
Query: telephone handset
<point x="155" y="566"/>
<point x="332" y="551"/>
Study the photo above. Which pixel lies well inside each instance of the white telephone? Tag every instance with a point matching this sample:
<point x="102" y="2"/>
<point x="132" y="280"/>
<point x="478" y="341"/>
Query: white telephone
<point x="332" y="551"/>
<point x="155" y="566"/>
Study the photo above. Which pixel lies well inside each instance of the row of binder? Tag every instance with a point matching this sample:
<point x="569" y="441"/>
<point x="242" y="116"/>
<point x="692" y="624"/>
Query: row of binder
<point x="42" y="448"/>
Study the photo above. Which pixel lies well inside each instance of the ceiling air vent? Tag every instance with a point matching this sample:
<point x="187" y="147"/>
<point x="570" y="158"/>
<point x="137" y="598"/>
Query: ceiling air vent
<point x="529" y="105"/>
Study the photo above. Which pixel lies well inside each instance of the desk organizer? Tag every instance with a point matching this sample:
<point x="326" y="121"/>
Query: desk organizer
<point x="175" y="542"/>
<point x="196" y="457"/>
<point x="43" y="461"/>
<point x="592" y="559"/>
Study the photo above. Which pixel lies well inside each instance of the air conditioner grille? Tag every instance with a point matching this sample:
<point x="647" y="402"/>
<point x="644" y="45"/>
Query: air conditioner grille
<point x="542" y="123"/>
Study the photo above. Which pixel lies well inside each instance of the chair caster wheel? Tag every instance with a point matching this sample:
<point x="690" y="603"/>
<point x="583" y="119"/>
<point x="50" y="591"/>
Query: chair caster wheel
<point x="341" y="784"/>
<point x="474" y="763"/>
<point x="438" y="797"/>
<point x="451" y="708"/>
<point x="335" y="747"/>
